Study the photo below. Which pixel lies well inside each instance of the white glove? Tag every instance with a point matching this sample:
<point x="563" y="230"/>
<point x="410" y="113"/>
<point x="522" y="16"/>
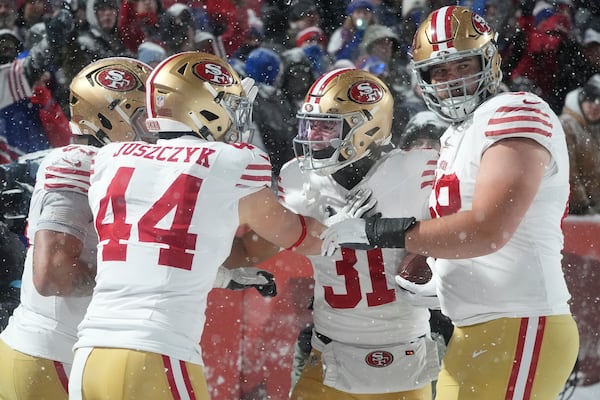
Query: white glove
<point x="251" y="90"/>
<point x="243" y="278"/>
<point x="358" y="202"/>
<point x="350" y="231"/>
<point x="419" y="295"/>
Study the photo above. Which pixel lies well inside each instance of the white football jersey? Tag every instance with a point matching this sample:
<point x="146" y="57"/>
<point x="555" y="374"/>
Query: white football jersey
<point x="524" y="278"/>
<point x="355" y="297"/>
<point x="41" y="326"/>
<point x="166" y="216"/>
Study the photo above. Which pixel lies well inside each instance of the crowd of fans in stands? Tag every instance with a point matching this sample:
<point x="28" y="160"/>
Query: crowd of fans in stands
<point x="551" y="47"/>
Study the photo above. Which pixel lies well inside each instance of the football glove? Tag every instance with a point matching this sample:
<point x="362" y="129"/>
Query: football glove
<point x="366" y="234"/>
<point x="244" y="278"/>
<point x="358" y="202"/>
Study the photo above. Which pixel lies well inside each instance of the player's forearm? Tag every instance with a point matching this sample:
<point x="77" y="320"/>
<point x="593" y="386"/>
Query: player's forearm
<point x="64" y="277"/>
<point x="83" y="281"/>
<point x="249" y="250"/>
<point x="461" y="235"/>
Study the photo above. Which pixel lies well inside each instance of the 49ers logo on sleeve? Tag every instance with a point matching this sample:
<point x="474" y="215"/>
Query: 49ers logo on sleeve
<point x="379" y="358"/>
<point x="214" y="73"/>
<point x="365" y="92"/>
<point x="116" y="79"/>
<point x="480" y="25"/>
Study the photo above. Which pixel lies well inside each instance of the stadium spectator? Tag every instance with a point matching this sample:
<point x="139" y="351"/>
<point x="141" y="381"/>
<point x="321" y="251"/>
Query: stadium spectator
<point x="137" y="20"/>
<point x="581" y="121"/>
<point x="8" y="15"/>
<point x="345" y="41"/>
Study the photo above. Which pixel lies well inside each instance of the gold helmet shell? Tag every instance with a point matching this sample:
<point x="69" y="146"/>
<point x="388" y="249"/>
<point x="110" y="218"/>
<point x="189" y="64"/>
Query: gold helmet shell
<point x="197" y="92"/>
<point x="356" y="107"/>
<point x="449" y="34"/>
<point x="107" y="100"/>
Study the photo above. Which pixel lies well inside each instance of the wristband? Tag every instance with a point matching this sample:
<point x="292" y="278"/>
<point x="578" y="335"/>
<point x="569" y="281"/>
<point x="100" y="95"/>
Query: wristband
<point x="302" y="235"/>
<point x="388" y="232"/>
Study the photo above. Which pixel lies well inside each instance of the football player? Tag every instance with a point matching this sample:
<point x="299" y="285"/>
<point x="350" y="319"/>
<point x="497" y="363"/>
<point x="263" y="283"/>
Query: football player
<point x="166" y="217"/>
<point x="500" y="193"/>
<point x="107" y="105"/>
<point x="368" y="342"/>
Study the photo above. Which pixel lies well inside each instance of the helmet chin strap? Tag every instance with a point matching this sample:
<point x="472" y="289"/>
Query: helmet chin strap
<point x="352" y="174"/>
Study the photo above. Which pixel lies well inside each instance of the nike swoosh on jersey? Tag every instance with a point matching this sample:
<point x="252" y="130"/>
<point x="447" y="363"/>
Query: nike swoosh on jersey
<point x="76" y="164"/>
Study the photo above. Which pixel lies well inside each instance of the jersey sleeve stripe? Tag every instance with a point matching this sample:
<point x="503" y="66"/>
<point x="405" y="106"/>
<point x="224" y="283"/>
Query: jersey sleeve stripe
<point x="425" y="184"/>
<point x="68" y="171"/>
<point x="514" y="120"/>
<point x="256" y="178"/>
<point x="69" y="178"/>
<point x="520" y="118"/>
<point x="259" y="167"/>
<point x="55" y="186"/>
<point x="519" y="130"/>
<point x="512" y="109"/>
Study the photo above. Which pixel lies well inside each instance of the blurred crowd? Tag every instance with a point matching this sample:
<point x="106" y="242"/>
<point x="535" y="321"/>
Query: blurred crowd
<point x="549" y="47"/>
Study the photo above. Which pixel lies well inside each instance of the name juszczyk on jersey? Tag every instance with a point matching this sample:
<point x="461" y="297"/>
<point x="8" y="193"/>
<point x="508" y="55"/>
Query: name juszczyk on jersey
<point x="175" y="154"/>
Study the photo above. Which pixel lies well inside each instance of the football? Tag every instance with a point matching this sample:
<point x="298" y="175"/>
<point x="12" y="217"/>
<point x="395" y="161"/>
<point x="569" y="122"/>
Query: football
<point x="414" y="268"/>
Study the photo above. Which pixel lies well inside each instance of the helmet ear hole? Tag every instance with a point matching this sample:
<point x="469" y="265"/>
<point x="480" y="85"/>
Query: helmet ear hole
<point x="372" y="132"/>
<point x="105" y="122"/>
<point x="209" y="115"/>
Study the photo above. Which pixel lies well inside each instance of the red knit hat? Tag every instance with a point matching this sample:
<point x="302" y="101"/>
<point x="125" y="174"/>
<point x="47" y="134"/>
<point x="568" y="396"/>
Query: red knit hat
<point x="311" y="33"/>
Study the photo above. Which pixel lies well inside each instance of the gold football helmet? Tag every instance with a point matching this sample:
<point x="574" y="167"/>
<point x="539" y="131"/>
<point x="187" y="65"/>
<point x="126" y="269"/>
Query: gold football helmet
<point x="450" y="34"/>
<point x="346" y="113"/>
<point x="198" y="92"/>
<point x="107" y="101"/>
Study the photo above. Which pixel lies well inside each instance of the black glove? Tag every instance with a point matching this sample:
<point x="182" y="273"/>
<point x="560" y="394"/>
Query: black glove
<point x="262" y="281"/>
<point x="388" y="232"/>
<point x="243" y="278"/>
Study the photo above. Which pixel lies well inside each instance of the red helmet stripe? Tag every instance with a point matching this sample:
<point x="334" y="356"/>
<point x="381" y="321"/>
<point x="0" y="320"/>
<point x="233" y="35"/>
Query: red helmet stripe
<point x="441" y="22"/>
<point x="316" y="90"/>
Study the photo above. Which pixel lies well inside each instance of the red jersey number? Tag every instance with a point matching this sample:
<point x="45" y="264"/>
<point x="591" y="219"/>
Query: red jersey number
<point x="380" y="293"/>
<point x="182" y="192"/>
<point x="447" y="196"/>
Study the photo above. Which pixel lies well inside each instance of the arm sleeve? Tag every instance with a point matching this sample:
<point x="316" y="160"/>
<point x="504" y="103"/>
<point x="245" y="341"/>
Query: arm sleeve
<point x="67" y="212"/>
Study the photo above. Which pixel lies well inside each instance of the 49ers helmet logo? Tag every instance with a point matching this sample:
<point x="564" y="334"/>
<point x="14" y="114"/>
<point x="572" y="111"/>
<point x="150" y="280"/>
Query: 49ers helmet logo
<point x="480" y="25"/>
<point x="365" y="92"/>
<point x="379" y="358"/>
<point x="213" y="73"/>
<point x="116" y="79"/>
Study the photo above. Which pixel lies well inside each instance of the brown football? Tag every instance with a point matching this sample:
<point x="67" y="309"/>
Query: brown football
<point x="414" y="268"/>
